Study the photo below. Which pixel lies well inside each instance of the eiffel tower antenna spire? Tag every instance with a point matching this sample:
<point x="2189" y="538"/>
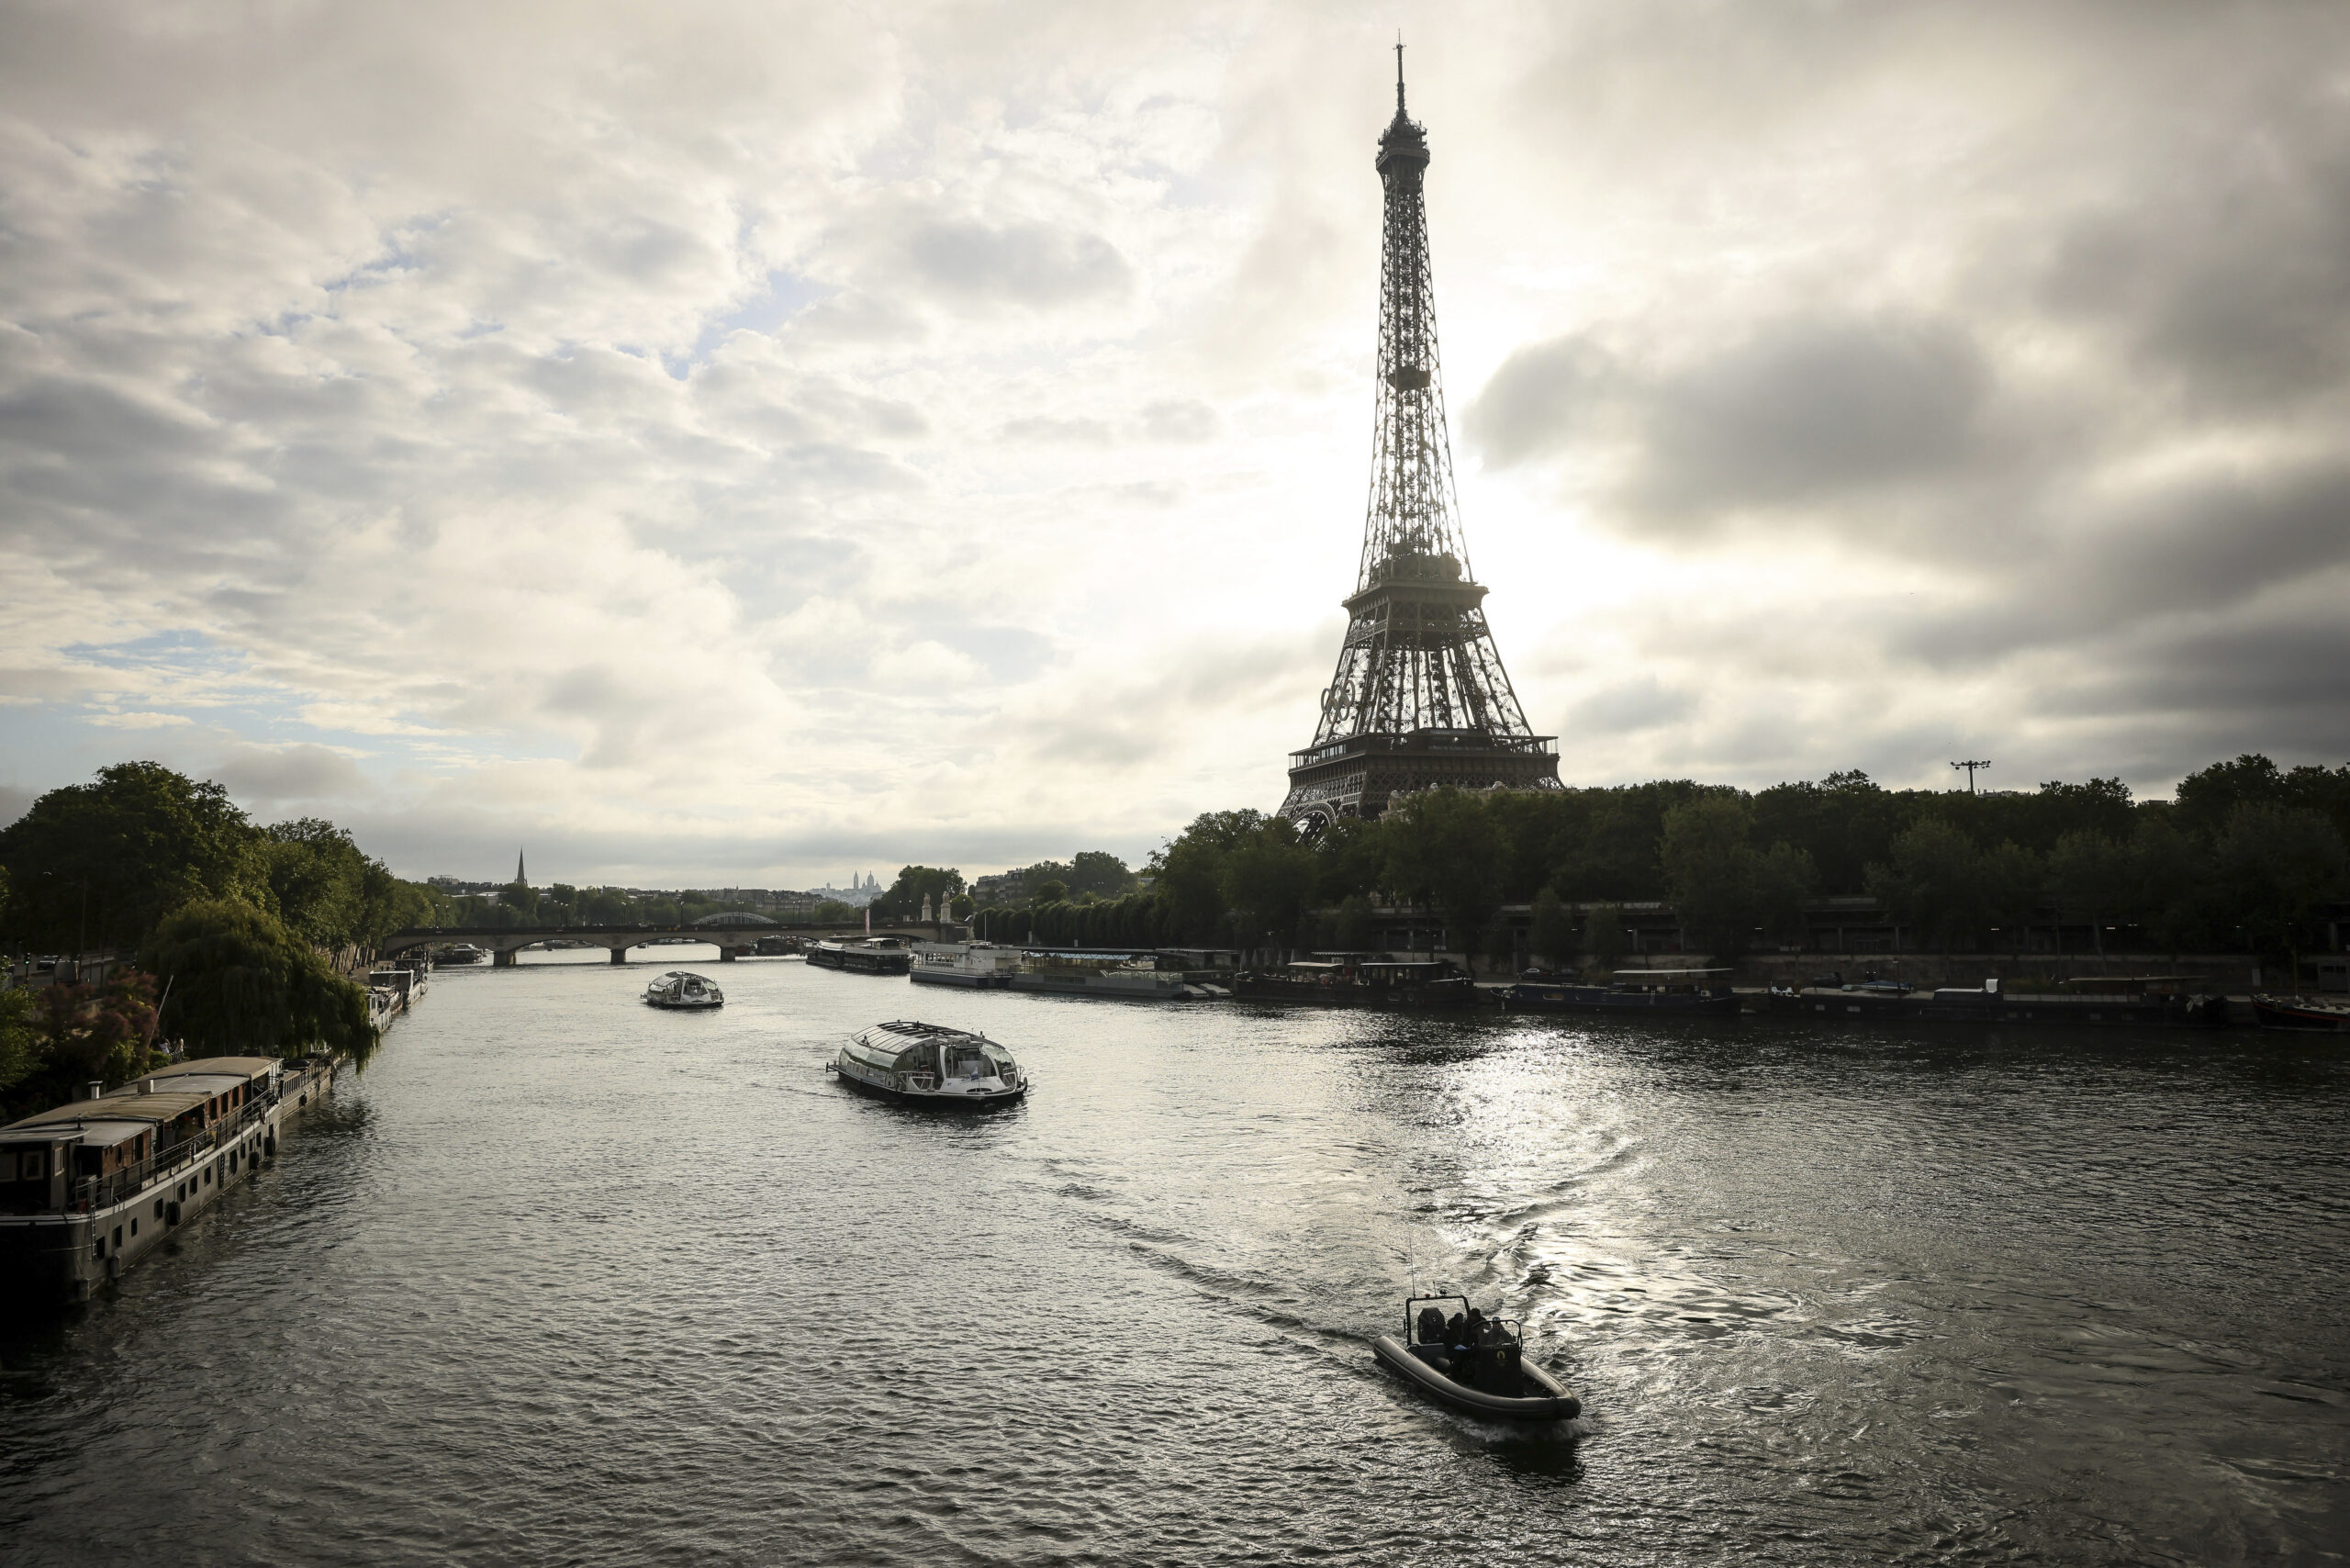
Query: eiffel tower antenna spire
<point x="1420" y="698"/>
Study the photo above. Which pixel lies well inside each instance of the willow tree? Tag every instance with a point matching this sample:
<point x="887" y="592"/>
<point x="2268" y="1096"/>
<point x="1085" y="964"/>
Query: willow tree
<point x="241" y="984"/>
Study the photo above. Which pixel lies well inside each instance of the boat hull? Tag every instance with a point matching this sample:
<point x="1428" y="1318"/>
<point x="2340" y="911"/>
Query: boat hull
<point x="1558" y="1405"/>
<point x="1601" y="998"/>
<point x="2294" y="1016"/>
<point x="1398" y="998"/>
<point x="956" y="978"/>
<point x="857" y="963"/>
<point x="929" y="1100"/>
<point x="2135" y="1012"/>
<point x="1108" y="987"/>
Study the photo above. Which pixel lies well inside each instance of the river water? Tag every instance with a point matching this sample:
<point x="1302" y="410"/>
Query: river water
<point x="561" y="1279"/>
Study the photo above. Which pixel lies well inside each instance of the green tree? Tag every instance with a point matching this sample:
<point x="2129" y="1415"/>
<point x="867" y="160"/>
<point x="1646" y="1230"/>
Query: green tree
<point x="1052" y="889"/>
<point x="1554" y="938"/>
<point x="1188" y="873"/>
<point x="1100" y="873"/>
<point x="103" y="862"/>
<point x="71" y="1035"/>
<point x="2275" y="865"/>
<point x="2012" y="880"/>
<point x="2168" y="872"/>
<point x="1350" y="860"/>
<point x="330" y="892"/>
<point x="1501" y="942"/>
<point x="916" y="883"/>
<point x="2091" y="876"/>
<point x="20" y="1055"/>
<point x="242" y="984"/>
<point x="1351" y="933"/>
<point x="1725" y="890"/>
<point x="1267" y="878"/>
<point x="1602" y="936"/>
<point x="1445" y="849"/>
<point x="1934" y="883"/>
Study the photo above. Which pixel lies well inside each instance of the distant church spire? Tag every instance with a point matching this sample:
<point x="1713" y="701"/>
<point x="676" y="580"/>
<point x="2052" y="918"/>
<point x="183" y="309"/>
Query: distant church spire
<point x="519" y="875"/>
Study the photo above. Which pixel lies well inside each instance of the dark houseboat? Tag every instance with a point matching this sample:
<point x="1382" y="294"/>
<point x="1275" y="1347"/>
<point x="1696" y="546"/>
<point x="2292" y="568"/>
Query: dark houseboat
<point x="1473" y="1362"/>
<point x="1360" y="979"/>
<point x="1629" y="991"/>
<point x="89" y="1187"/>
<point x="874" y="956"/>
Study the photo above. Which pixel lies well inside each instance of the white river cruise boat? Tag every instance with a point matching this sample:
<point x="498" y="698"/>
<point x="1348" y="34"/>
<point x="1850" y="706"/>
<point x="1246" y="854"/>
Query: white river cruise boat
<point x="86" y="1188"/>
<point x="929" y="1064"/>
<point x="975" y="966"/>
<point x="682" y="991"/>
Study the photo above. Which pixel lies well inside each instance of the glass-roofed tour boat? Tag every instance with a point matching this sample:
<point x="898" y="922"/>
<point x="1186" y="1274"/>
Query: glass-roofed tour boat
<point x="929" y="1064"/>
<point x="683" y="991"/>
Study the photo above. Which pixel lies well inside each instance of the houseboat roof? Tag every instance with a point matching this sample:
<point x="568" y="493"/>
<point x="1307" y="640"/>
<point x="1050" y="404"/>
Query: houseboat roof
<point x="98" y="1132"/>
<point x="185" y="1083"/>
<point x="143" y="1108"/>
<point x="244" y="1067"/>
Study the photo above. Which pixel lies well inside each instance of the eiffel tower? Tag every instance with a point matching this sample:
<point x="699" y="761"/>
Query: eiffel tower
<point x="1420" y="698"/>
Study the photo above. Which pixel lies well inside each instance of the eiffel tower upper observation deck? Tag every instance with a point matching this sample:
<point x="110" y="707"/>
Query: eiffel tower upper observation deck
<point x="1420" y="698"/>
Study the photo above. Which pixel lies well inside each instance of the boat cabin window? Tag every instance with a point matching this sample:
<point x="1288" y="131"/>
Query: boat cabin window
<point x="967" y="1061"/>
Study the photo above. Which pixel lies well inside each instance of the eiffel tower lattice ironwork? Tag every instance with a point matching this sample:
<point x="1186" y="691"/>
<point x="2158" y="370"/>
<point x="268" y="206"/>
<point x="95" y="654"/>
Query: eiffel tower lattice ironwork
<point x="1420" y="698"/>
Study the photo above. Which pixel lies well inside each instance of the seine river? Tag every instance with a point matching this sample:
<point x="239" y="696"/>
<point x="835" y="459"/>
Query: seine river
<point x="564" y="1280"/>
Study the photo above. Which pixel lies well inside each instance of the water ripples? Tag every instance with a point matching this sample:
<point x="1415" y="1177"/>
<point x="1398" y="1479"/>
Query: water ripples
<point x="565" y="1279"/>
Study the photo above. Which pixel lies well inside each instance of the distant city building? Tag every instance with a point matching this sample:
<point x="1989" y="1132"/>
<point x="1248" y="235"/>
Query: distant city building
<point x="862" y="890"/>
<point x="1002" y="888"/>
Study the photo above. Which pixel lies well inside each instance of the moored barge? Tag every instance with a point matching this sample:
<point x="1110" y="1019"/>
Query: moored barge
<point x="973" y="966"/>
<point x="2138" y="1002"/>
<point x="1353" y="980"/>
<point x="1631" y="990"/>
<point x="89" y="1187"/>
<point x="875" y="956"/>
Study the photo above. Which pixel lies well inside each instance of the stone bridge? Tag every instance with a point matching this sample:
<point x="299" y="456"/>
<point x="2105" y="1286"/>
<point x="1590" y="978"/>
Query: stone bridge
<point x="731" y="941"/>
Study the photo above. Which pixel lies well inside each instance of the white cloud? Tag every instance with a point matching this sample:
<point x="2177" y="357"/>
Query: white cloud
<point x="773" y="441"/>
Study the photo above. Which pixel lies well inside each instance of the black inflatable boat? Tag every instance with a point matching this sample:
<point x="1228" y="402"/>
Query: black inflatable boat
<point x="1474" y="1364"/>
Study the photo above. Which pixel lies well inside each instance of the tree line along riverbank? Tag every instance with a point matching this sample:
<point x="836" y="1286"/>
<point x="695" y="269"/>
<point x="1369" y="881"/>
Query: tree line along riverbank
<point x="245" y="935"/>
<point x="2246" y="857"/>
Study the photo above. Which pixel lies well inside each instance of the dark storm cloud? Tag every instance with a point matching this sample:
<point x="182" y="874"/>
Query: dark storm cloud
<point x="1810" y="407"/>
<point x="2203" y="549"/>
<point x="1033" y="264"/>
<point x="1805" y="407"/>
<point x="2228" y="274"/>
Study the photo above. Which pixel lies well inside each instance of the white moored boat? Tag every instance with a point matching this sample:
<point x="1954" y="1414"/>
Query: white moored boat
<point x="929" y="1064"/>
<point x="682" y="990"/>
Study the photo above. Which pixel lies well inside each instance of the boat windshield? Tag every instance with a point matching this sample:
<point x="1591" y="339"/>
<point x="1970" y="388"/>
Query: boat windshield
<point x="969" y="1061"/>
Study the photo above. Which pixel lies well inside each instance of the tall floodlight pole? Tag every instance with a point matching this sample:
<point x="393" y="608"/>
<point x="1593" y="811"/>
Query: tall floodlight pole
<point x="1420" y="698"/>
<point x="1970" y="767"/>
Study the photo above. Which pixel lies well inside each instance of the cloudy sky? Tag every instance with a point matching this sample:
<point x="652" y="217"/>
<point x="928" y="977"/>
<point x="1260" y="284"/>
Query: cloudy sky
<point x="752" y="444"/>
